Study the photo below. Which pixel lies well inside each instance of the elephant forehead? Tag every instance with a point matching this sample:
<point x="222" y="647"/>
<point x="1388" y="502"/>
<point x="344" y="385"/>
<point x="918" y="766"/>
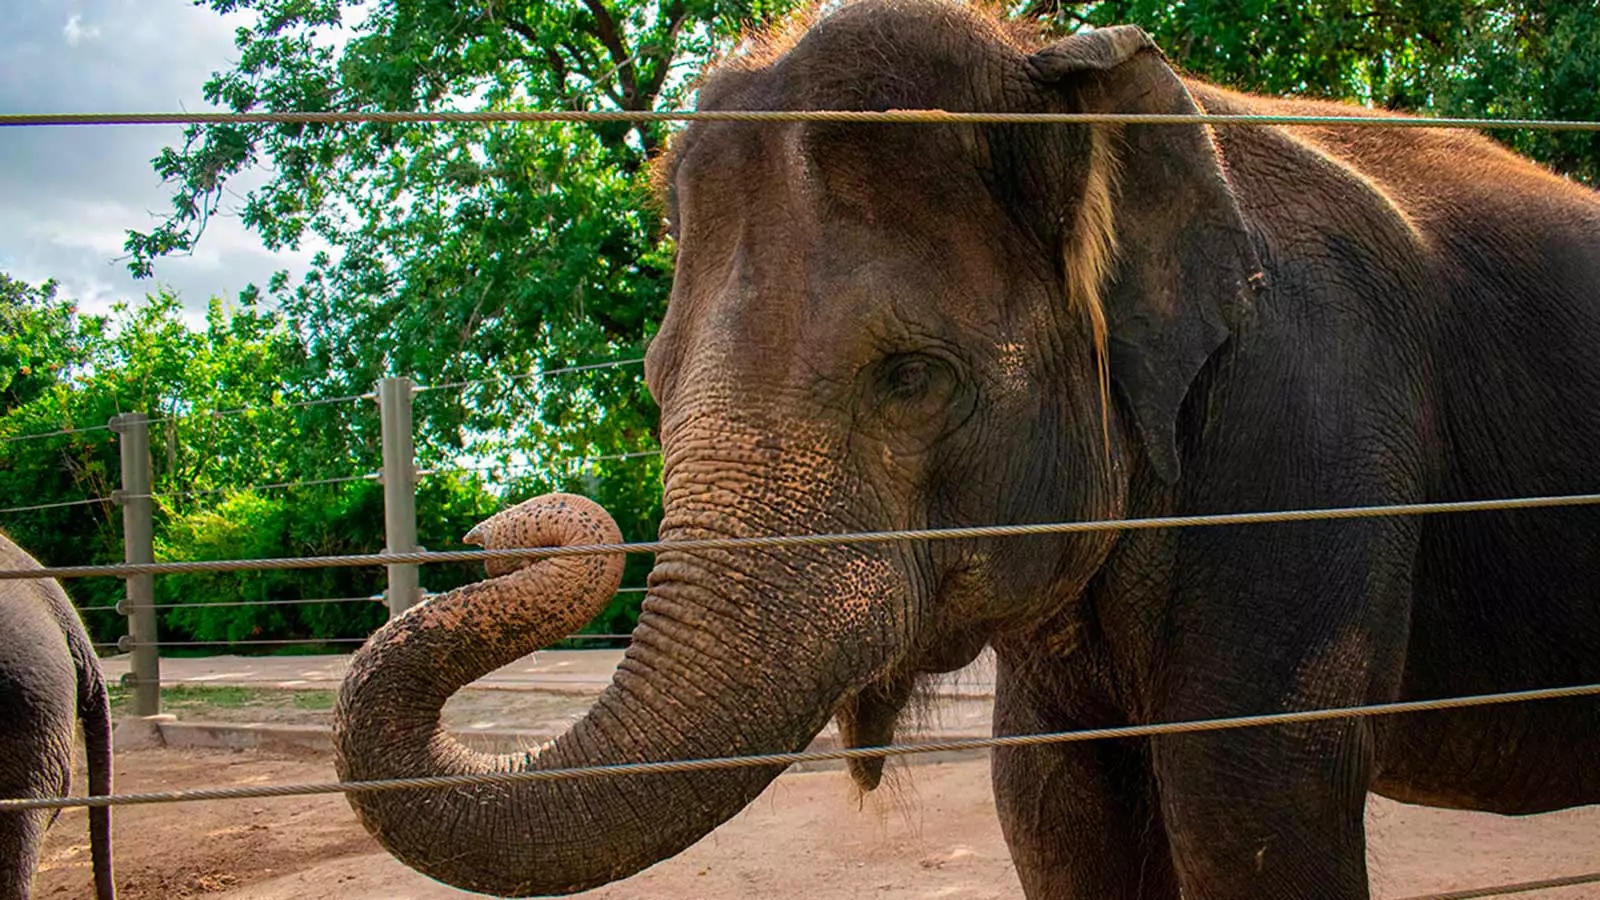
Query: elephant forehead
<point x="802" y="283"/>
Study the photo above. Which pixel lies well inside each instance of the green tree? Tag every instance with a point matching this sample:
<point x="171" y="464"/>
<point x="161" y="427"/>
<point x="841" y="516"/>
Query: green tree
<point x="462" y="251"/>
<point x="42" y="340"/>
<point x="1532" y="59"/>
<point x="47" y="351"/>
<point x="465" y="252"/>
<point x="191" y="382"/>
<point x="229" y="421"/>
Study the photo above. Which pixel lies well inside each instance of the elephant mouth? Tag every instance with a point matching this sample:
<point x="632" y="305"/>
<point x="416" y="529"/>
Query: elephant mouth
<point x="869" y="716"/>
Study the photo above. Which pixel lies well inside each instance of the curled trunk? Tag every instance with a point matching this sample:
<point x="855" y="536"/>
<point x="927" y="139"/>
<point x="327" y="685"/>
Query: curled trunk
<point x="566" y="835"/>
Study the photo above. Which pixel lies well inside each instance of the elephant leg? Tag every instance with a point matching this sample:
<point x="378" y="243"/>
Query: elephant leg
<point x="1268" y="812"/>
<point x="1301" y="617"/>
<point x="21" y="833"/>
<point x="37" y="763"/>
<point x="20" y="836"/>
<point x="1080" y="819"/>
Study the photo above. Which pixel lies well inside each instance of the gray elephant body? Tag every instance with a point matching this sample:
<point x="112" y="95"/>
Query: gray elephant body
<point x="50" y="681"/>
<point x="895" y="326"/>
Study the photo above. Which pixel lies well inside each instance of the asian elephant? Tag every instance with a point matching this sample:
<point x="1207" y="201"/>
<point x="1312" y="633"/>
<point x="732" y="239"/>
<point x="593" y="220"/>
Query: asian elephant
<point x="900" y="326"/>
<point x="50" y="682"/>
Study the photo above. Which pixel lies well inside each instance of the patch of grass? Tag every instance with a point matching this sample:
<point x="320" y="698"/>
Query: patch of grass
<point x="190" y="698"/>
<point x="312" y="699"/>
<point x="181" y="696"/>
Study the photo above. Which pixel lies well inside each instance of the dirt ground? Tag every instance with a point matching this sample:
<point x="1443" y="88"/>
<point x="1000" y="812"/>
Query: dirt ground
<point x="806" y="838"/>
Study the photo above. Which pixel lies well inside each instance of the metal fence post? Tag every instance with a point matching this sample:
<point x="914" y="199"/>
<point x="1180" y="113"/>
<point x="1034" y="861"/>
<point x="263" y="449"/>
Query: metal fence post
<point x="399" y="489"/>
<point x="138" y="533"/>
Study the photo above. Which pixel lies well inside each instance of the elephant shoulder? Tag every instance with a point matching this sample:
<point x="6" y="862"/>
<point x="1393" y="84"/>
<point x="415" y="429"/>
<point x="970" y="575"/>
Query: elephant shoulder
<point x="36" y="607"/>
<point x="1428" y="186"/>
<point x="1298" y="182"/>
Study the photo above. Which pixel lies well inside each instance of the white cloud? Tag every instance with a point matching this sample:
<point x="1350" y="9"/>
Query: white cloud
<point x="72" y="193"/>
<point x="83" y="224"/>
<point x="76" y="32"/>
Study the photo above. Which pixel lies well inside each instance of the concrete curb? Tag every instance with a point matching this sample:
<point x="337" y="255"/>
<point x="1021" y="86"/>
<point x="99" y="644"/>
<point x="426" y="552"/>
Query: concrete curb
<point x="568" y="672"/>
<point x="140" y="732"/>
<point x="134" y="733"/>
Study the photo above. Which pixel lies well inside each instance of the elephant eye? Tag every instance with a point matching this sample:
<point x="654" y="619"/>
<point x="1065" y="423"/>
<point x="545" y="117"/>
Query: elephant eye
<point x="918" y="391"/>
<point x="914" y="399"/>
<point x="908" y="379"/>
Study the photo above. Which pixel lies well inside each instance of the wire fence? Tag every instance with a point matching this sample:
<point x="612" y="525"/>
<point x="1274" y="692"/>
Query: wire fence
<point x="1125" y="732"/>
<point x="127" y="645"/>
<point x="325" y="401"/>
<point x="40" y="435"/>
<point x="567" y="463"/>
<point x="491" y="468"/>
<point x="546" y="373"/>
<point x="268" y="408"/>
<point x="801" y="540"/>
<point x="563" y="464"/>
<point x="225" y="604"/>
<point x="38" y="507"/>
<point x="776" y="116"/>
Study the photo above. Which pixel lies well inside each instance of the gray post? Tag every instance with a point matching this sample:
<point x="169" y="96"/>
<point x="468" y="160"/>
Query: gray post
<point x="399" y="489"/>
<point x="138" y="547"/>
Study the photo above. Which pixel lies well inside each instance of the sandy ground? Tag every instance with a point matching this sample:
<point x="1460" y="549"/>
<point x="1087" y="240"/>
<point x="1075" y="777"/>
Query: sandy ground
<point x="806" y="838"/>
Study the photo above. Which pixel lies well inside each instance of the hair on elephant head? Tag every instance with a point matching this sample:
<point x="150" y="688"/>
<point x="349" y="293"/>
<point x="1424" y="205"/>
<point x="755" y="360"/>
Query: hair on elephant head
<point x="1157" y="244"/>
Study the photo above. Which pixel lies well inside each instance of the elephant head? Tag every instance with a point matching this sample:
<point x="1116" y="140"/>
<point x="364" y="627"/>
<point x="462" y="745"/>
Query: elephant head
<point x="871" y="327"/>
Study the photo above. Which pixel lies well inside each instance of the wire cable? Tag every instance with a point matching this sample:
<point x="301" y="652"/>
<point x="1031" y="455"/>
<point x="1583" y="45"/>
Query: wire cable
<point x="803" y="540"/>
<point x="807" y="756"/>
<point x="1521" y="887"/>
<point x="61" y="505"/>
<point x="272" y="407"/>
<point x="126" y="646"/>
<point x="370" y="476"/>
<point x="838" y="116"/>
<point x="161" y="495"/>
<point x="375" y="598"/>
<point x="564" y="370"/>
<point x="119" y="608"/>
<point x="57" y="433"/>
<point x="536" y="467"/>
<point x="216" y="413"/>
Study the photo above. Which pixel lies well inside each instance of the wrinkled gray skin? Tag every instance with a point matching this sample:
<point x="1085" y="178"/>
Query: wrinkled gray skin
<point x="50" y="681"/>
<point x="889" y="327"/>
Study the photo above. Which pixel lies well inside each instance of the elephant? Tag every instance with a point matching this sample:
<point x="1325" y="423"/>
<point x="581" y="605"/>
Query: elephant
<point x="50" y="682"/>
<point x="893" y="325"/>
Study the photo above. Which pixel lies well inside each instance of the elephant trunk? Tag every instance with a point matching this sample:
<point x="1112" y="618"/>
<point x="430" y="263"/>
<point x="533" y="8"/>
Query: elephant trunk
<point x="674" y="697"/>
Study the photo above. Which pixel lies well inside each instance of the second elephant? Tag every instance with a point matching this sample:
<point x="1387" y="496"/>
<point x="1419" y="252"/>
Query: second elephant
<point x="50" y="681"/>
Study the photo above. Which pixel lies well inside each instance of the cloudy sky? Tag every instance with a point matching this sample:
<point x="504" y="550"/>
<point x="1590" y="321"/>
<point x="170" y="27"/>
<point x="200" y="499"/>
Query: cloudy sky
<point x="68" y="194"/>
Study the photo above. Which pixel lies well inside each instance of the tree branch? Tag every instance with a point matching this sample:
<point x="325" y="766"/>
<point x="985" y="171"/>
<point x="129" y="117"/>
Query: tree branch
<point x="558" y="68"/>
<point x="522" y="29"/>
<point x="673" y="12"/>
<point x="611" y="38"/>
<point x="579" y="60"/>
<point x="552" y="59"/>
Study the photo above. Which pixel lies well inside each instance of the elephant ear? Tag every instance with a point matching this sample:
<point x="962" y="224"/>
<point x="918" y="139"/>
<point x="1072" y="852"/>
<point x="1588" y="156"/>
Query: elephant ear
<point x="1184" y="268"/>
